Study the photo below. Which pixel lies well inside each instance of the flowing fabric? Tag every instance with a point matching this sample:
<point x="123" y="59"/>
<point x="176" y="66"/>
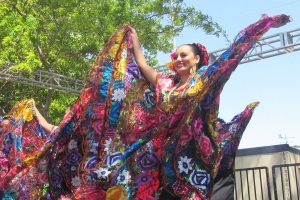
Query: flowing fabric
<point x="24" y="138"/>
<point x="223" y="188"/>
<point x="124" y="139"/>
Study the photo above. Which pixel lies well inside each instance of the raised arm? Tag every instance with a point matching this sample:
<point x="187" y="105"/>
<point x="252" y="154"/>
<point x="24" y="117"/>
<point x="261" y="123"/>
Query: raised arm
<point x="43" y="122"/>
<point x="149" y="73"/>
<point x="222" y="68"/>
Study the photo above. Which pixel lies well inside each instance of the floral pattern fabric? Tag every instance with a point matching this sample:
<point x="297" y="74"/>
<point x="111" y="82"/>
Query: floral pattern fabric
<point x="190" y="115"/>
<point x="125" y="139"/>
<point x="24" y="138"/>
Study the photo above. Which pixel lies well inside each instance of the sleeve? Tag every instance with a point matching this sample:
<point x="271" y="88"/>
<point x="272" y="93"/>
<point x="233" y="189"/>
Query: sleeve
<point x="214" y="77"/>
<point x="219" y="71"/>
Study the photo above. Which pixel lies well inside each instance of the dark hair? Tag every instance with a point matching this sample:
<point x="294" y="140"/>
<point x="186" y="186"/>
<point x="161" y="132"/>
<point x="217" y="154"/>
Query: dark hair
<point x="197" y="51"/>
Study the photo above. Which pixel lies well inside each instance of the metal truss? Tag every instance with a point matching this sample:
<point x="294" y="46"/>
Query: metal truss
<point x="266" y="47"/>
<point x="163" y="69"/>
<point x="274" y="45"/>
<point x="43" y="79"/>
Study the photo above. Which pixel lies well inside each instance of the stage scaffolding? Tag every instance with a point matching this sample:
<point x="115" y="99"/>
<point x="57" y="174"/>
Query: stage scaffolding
<point x="274" y="45"/>
<point x="43" y="79"/>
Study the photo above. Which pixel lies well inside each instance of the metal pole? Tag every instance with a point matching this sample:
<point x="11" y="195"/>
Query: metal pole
<point x="172" y="21"/>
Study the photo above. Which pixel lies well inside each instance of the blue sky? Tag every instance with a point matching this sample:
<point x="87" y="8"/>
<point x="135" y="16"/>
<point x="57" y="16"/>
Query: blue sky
<point x="274" y="81"/>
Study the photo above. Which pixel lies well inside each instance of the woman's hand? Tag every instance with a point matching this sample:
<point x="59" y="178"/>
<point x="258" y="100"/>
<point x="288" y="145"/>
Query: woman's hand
<point x="130" y="28"/>
<point x="132" y="31"/>
<point x="42" y="121"/>
<point x="280" y="20"/>
<point x="149" y="73"/>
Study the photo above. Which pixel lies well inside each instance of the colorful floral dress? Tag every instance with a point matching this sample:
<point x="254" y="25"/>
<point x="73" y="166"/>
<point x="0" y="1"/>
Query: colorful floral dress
<point x="184" y="148"/>
<point x="223" y="188"/>
<point x="125" y="139"/>
<point x="24" y="138"/>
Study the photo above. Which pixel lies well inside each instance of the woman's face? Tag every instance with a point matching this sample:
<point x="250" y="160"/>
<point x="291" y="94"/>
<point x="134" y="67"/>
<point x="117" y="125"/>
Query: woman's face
<point x="185" y="59"/>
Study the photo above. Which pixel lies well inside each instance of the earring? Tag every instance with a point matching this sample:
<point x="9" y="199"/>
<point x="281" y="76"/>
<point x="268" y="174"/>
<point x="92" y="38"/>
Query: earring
<point x="193" y="69"/>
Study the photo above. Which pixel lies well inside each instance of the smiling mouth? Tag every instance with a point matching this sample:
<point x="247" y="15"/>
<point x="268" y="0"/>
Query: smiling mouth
<point x="179" y="65"/>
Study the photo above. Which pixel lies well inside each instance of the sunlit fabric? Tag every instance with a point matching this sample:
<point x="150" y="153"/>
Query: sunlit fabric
<point x="125" y="139"/>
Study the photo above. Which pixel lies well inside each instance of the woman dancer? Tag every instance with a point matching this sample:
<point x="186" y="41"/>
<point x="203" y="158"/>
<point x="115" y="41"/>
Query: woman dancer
<point x="189" y="102"/>
<point x="125" y="140"/>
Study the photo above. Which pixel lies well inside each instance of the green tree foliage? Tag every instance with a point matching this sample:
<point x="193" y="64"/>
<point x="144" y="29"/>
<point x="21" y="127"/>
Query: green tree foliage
<point x="64" y="36"/>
